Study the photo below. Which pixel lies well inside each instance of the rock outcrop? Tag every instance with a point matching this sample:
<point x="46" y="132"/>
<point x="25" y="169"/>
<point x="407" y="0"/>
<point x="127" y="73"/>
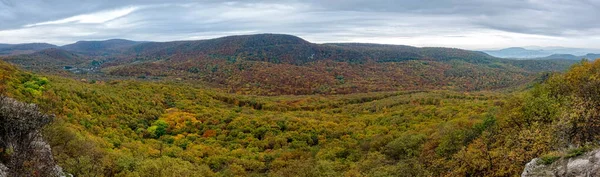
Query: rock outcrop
<point x="586" y="165"/>
<point x="23" y="151"/>
<point x="3" y="170"/>
<point x="44" y="160"/>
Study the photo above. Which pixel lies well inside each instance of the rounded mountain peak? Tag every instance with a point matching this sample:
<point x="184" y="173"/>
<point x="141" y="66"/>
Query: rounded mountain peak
<point x="268" y="40"/>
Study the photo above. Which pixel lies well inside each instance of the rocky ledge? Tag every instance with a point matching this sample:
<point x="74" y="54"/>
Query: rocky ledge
<point x="586" y="165"/>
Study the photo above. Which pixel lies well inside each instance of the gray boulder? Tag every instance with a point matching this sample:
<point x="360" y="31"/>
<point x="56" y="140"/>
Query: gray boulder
<point x="3" y="170"/>
<point x="586" y="165"/>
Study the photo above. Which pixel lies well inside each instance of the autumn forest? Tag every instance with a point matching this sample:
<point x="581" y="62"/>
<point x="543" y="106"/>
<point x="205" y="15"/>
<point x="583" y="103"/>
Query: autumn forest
<point x="278" y="105"/>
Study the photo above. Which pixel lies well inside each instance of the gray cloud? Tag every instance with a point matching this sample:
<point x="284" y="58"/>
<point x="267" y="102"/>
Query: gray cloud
<point x="478" y="23"/>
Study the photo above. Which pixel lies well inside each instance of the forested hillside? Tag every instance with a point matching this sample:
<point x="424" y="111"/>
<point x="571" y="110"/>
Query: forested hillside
<point x="273" y="64"/>
<point x="143" y="128"/>
<point x="380" y="110"/>
<point x="165" y="129"/>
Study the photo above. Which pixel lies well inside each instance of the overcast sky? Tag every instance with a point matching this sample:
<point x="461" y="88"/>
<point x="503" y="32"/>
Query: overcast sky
<point x="470" y="24"/>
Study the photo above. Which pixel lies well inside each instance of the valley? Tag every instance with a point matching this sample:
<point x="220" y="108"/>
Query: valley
<point x="288" y="88"/>
<point x="275" y="64"/>
<point x="277" y="105"/>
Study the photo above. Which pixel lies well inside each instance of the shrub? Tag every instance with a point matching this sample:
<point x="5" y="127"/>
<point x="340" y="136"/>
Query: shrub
<point x="576" y="152"/>
<point x="548" y="159"/>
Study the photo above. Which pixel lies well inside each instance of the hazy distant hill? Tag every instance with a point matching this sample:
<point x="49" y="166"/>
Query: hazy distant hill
<point x="14" y="49"/>
<point x="518" y="52"/>
<point x="590" y="56"/>
<point x="540" y="52"/>
<point x="4" y="45"/>
<point x="106" y="47"/>
<point x="562" y="56"/>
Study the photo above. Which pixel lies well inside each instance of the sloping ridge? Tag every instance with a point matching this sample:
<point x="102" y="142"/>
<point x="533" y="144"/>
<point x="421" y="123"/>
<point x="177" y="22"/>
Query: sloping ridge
<point x="100" y="47"/>
<point x="589" y="56"/>
<point x="46" y="58"/>
<point x="9" y="49"/>
<point x="261" y="47"/>
<point x="279" y="48"/>
<point x="31" y="46"/>
<point x="58" y="55"/>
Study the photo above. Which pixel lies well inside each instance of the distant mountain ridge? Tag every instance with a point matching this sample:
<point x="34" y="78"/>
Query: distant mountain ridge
<point x="253" y="42"/>
<point x="589" y="56"/>
<point x="517" y="52"/>
<point x="4" y="45"/>
<point x="277" y="48"/>
<point x="275" y="64"/>
<point x="13" y="49"/>
<point x="542" y="53"/>
<point x="105" y="47"/>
